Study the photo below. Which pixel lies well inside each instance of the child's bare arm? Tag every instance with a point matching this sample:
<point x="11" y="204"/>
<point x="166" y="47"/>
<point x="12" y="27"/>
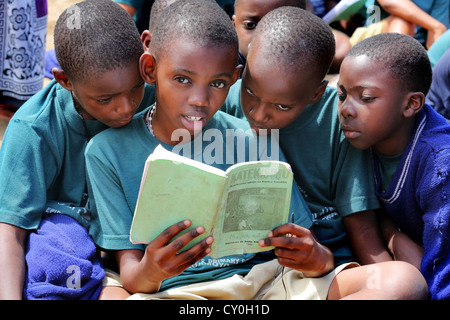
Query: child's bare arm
<point x="365" y="237"/>
<point x="297" y="248"/>
<point x="12" y="263"/>
<point x="143" y="271"/>
<point x="402" y="247"/>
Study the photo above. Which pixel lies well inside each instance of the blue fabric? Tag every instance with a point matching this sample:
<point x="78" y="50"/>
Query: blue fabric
<point x="439" y="94"/>
<point x="62" y="262"/>
<point x="418" y="197"/>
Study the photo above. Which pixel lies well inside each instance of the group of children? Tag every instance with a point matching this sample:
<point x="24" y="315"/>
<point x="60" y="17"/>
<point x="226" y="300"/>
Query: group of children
<point x="370" y="153"/>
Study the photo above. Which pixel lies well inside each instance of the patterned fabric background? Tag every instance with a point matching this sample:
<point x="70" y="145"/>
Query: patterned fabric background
<point x="23" y="28"/>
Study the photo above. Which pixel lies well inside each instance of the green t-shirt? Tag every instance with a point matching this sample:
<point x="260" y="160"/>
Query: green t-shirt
<point x="335" y="178"/>
<point x="42" y="166"/>
<point x="388" y="166"/>
<point x="115" y="160"/>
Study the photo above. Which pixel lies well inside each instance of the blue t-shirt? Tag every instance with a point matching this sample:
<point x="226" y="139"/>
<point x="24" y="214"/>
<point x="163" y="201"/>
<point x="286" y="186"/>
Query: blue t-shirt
<point x="115" y="161"/>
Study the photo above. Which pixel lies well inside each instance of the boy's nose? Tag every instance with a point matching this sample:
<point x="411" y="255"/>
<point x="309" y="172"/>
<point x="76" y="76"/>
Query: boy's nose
<point x="258" y="113"/>
<point x="126" y="106"/>
<point x="199" y="98"/>
<point x="347" y="110"/>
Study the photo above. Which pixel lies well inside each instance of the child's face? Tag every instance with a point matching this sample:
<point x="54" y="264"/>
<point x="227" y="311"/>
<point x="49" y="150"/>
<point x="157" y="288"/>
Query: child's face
<point x="272" y="98"/>
<point x="111" y="97"/>
<point x="247" y="15"/>
<point x="371" y="105"/>
<point x="192" y="82"/>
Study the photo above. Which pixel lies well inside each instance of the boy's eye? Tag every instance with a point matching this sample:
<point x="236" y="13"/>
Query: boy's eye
<point x="105" y="100"/>
<point x="250" y="25"/>
<point x="341" y="96"/>
<point x="182" y="80"/>
<point x="367" y="99"/>
<point x="282" y="107"/>
<point x="250" y="92"/>
<point x="218" y="84"/>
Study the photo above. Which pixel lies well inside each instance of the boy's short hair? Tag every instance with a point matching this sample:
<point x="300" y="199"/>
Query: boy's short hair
<point x="403" y="56"/>
<point x="295" y="38"/>
<point x="157" y="7"/>
<point x="295" y="3"/>
<point x="95" y="36"/>
<point x="202" y="21"/>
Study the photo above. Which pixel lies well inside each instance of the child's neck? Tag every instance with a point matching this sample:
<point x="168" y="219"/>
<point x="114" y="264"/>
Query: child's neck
<point x="153" y="125"/>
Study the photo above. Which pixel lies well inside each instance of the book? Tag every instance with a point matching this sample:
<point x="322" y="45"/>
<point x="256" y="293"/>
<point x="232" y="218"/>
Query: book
<point x="343" y="10"/>
<point x="239" y="206"/>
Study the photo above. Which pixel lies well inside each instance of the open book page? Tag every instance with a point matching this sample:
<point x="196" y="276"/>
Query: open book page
<point x="343" y="10"/>
<point x="174" y="188"/>
<point x="256" y="201"/>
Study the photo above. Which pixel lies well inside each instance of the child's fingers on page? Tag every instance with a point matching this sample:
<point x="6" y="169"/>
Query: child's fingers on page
<point x="194" y="254"/>
<point x="290" y="228"/>
<point x="180" y="242"/>
<point x="169" y="233"/>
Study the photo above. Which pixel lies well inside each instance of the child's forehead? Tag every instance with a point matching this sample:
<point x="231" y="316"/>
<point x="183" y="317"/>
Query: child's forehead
<point x="243" y="6"/>
<point x="186" y="45"/>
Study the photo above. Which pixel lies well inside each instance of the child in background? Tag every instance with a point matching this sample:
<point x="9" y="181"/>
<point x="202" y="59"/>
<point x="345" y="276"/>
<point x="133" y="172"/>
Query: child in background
<point x="382" y="89"/>
<point x="43" y="204"/>
<point x="438" y="96"/>
<point x="249" y="12"/>
<point x="282" y="88"/>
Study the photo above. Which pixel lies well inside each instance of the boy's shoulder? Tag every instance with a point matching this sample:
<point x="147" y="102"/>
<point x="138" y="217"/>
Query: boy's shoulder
<point x="432" y="129"/>
<point x="43" y="103"/>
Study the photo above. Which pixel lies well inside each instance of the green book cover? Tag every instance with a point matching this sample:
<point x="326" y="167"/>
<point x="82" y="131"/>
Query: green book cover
<point x="238" y="206"/>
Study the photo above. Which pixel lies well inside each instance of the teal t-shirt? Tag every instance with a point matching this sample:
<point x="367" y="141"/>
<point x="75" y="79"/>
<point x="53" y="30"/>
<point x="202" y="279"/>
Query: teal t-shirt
<point x="115" y="161"/>
<point x="42" y="167"/>
<point x="388" y="166"/>
<point x="334" y="178"/>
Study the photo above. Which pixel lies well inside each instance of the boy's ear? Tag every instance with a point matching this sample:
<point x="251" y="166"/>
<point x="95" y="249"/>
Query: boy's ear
<point x="147" y="65"/>
<point x="236" y="73"/>
<point x="62" y="79"/>
<point x="146" y="38"/>
<point x="414" y="103"/>
<point x="319" y="92"/>
<point x="233" y="19"/>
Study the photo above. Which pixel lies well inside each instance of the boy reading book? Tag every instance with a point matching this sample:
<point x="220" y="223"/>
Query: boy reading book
<point x="382" y="87"/>
<point x="43" y="205"/>
<point x="192" y="61"/>
<point x="283" y="88"/>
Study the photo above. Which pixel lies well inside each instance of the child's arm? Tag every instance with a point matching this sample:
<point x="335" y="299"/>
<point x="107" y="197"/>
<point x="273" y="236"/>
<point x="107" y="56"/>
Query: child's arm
<point x="409" y="11"/>
<point x="366" y="241"/>
<point x="143" y="271"/>
<point x="402" y="247"/>
<point x="12" y="261"/>
<point x="297" y="248"/>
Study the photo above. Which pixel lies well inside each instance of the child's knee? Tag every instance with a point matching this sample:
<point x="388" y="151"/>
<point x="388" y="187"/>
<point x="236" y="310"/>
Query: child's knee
<point x="402" y="281"/>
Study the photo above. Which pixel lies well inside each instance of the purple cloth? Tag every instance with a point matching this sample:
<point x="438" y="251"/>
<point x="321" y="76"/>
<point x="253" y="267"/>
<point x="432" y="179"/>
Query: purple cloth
<point x="62" y="262"/>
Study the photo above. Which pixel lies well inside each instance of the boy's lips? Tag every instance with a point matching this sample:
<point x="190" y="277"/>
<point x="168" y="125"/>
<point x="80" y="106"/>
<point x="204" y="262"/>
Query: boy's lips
<point x="194" y="120"/>
<point x="122" y="122"/>
<point x="349" y="132"/>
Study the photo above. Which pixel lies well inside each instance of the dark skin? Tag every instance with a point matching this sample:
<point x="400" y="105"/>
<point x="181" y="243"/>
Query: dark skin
<point x="297" y="248"/>
<point x="143" y="271"/>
